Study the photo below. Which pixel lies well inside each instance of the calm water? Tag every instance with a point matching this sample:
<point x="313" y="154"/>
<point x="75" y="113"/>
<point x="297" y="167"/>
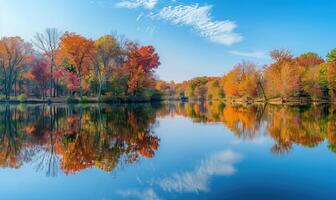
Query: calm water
<point x="168" y="151"/>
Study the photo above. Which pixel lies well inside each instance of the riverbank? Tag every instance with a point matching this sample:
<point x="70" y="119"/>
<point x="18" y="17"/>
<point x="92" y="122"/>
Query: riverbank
<point x="274" y="101"/>
<point x="75" y="100"/>
<point x="282" y="101"/>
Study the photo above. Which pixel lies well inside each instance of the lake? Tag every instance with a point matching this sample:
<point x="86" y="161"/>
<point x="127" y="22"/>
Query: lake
<point x="167" y="151"/>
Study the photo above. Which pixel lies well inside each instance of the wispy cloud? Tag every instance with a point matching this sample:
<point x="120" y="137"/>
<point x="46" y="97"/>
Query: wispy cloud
<point x="251" y="54"/>
<point x="200" y="19"/>
<point x="139" y="17"/>
<point x="148" y="194"/>
<point x="197" y="180"/>
<point x="131" y="4"/>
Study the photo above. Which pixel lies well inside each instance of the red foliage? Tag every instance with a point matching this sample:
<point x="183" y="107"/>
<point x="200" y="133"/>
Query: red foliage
<point x="39" y="73"/>
<point x="71" y="81"/>
<point x="142" y="57"/>
<point x="309" y="59"/>
<point x="140" y="64"/>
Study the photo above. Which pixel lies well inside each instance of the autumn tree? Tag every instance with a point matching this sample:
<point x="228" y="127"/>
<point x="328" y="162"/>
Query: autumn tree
<point x="140" y="65"/>
<point x="108" y="51"/>
<point x="39" y="74"/>
<point x="329" y="72"/>
<point x="215" y="89"/>
<point x="282" y="77"/>
<point x="331" y="76"/>
<point x="15" y="53"/>
<point x="309" y="59"/>
<point x="331" y="57"/>
<point x="196" y="87"/>
<point x="68" y="78"/>
<point x="249" y="79"/>
<point x="310" y="62"/>
<point x="242" y="81"/>
<point x="78" y="52"/>
<point x="323" y="79"/>
<point x="48" y="44"/>
<point x="180" y="89"/>
<point x="163" y="87"/>
<point x="201" y="92"/>
<point x="231" y="82"/>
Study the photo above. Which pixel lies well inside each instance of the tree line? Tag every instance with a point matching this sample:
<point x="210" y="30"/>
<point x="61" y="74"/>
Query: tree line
<point x="56" y="64"/>
<point x="307" y="75"/>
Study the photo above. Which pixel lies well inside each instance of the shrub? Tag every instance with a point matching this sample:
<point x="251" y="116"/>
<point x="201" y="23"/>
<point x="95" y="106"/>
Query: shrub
<point x="110" y="98"/>
<point x="156" y="95"/>
<point x="2" y="97"/>
<point x="71" y="99"/>
<point x="21" y="97"/>
<point x="84" y="99"/>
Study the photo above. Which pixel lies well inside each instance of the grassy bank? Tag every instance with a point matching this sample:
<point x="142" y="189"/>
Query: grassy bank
<point x="276" y="101"/>
<point x="279" y="100"/>
<point x="16" y="100"/>
<point x="123" y="99"/>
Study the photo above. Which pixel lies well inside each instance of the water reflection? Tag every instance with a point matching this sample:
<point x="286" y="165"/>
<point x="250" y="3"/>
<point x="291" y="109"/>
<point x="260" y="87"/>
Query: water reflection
<point x="220" y="164"/>
<point x="286" y="125"/>
<point x="72" y="138"/>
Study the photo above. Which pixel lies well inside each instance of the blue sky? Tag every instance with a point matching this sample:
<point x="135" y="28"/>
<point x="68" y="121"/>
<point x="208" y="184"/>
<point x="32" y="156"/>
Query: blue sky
<point x="193" y="38"/>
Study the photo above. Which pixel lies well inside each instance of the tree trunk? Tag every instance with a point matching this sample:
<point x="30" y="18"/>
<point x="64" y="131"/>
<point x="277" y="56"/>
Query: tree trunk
<point x="99" y="92"/>
<point x="263" y="91"/>
<point x="56" y="88"/>
<point x="15" y="87"/>
<point x="80" y="86"/>
<point x="51" y="79"/>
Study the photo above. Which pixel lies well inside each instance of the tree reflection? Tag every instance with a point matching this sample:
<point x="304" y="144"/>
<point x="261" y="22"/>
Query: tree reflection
<point x="73" y="138"/>
<point x="286" y="125"/>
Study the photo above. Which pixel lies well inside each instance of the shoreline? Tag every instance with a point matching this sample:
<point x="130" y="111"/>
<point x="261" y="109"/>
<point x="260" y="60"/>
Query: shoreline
<point x="78" y="101"/>
<point x="272" y="101"/>
<point x="135" y="100"/>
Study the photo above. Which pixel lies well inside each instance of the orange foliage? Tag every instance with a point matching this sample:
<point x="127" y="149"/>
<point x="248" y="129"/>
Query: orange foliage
<point x="331" y="75"/>
<point x="78" y="52"/>
<point x="141" y="61"/>
<point x="282" y="78"/>
<point x="241" y="81"/>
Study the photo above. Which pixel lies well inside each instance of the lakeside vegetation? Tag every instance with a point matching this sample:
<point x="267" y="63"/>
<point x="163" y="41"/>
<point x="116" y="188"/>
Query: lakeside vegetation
<point x="68" y="67"/>
<point x="307" y="77"/>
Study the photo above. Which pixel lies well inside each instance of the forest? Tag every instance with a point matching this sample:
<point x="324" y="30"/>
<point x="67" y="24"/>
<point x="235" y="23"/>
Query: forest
<point x="69" y="66"/>
<point x="288" y="78"/>
<point x="57" y="66"/>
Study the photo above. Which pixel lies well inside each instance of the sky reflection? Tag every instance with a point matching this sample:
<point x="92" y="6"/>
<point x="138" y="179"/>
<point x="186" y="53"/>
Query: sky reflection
<point x="169" y="151"/>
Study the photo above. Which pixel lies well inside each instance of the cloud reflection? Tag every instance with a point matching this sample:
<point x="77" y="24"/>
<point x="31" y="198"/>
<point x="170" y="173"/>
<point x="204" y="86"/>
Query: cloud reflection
<point x="147" y="194"/>
<point x="221" y="164"/>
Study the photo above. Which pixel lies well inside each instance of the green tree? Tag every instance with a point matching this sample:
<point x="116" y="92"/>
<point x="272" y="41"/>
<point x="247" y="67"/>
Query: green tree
<point x="331" y="57"/>
<point x="108" y="51"/>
